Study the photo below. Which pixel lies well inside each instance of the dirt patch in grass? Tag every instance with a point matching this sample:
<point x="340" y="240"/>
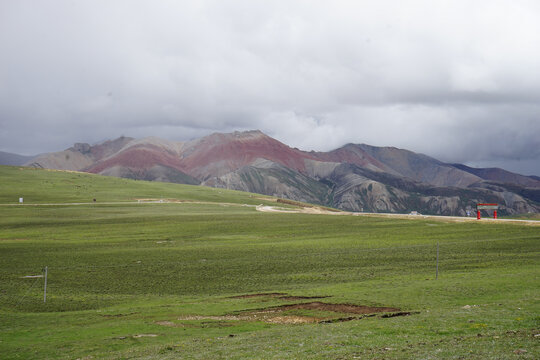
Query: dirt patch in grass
<point x="271" y="317"/>
<point x="144" y="335"/>
<point x="292" y="319"/>
<point x="301" y="210"/>
<point x="302" y="313"/>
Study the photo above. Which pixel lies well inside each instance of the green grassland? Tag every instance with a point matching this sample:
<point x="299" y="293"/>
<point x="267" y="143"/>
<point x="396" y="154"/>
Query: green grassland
<point x="130" y="280"/>
<point x="525" y="216"/>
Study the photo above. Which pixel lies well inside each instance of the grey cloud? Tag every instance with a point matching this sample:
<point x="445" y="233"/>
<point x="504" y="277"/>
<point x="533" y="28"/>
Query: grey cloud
<point x="447" y="78"/>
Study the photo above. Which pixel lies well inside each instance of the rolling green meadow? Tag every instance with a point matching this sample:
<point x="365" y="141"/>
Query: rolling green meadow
<point x="165" y="271"/>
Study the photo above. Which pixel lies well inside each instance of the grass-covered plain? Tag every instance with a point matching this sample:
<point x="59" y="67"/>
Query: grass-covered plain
<point x="161" y="280"/>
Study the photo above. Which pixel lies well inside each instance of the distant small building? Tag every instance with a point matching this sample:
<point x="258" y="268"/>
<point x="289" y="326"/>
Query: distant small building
<point x="21" y="200"/>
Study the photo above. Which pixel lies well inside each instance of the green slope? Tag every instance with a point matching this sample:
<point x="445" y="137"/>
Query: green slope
<point x="39" y="186"/>
<point x="161" y="280"/>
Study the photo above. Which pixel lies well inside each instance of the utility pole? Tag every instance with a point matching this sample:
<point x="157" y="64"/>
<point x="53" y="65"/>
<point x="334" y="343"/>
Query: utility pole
<point x="45" y="288"/>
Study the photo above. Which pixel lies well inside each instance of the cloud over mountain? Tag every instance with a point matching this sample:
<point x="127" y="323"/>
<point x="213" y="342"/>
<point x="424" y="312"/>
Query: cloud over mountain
<point x="456" y="79"/>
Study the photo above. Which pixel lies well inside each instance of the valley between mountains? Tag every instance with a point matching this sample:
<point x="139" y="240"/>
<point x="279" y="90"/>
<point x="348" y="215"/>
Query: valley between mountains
<point x="355" y="177"/>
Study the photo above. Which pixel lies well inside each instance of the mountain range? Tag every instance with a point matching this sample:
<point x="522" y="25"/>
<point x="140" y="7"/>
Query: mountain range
<point x="355" y="177"/>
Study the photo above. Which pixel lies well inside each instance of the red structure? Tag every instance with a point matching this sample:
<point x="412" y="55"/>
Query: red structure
<point x="493" y="207"/>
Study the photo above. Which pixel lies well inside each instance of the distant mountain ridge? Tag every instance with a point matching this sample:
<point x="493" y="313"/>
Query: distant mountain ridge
<point x="500" y="175"/>
<point x="13" y="159"/>
<point x="355" y="177"/>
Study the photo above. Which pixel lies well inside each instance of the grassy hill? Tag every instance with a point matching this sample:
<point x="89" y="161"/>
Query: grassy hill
<point x="208" y="276"/>
<point x="40" y="186"/>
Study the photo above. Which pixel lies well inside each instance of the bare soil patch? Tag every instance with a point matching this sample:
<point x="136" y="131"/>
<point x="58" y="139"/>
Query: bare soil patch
<point x="292" y="319"/>
<point x="144" y="335"/>
<point x="301" y="210"/>
<point x="272" y="317"/>
<point x="285" y="314"/>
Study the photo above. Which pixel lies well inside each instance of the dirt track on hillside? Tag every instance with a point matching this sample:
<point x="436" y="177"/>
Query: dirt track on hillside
<point x="318" y="210"/>
<point x="300" y="210"/>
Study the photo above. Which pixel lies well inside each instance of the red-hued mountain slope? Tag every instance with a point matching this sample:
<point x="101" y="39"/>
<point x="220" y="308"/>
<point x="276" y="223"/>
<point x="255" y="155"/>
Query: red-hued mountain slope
<point x="218" y="154"/>
<point x="139" y="156"/>
<point x="213" y="155"/>
<point x="353" y="177"/>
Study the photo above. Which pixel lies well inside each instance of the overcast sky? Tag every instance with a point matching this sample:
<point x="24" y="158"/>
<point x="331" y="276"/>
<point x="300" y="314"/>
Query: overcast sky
<point x="457" y="80"/>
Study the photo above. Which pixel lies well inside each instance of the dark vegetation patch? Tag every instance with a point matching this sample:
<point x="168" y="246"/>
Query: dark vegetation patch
<point x="383" y="316"/>
<point x="282" y="296"/>
<point x="400" y="313"/>
<point x="117" y="315"/>
<point x="249" y="296"/>
<point x="339" y="308"/>
<point x="215" y="324"/>
<point x="344" y="319"/>
<point x="292" y="298"/>
<point x="209" y="322"/>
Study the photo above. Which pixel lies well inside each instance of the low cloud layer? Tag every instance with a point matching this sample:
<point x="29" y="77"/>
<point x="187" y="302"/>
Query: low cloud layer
<point x="457" y="80"/>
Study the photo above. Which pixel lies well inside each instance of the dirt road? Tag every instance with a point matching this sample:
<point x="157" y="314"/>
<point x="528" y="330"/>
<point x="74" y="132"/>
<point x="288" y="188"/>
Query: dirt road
<point x="298" y="210"/>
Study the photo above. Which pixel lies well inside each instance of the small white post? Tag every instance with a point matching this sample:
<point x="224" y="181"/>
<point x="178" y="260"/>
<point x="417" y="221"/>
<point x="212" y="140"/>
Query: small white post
<point x="45" y="288"/>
